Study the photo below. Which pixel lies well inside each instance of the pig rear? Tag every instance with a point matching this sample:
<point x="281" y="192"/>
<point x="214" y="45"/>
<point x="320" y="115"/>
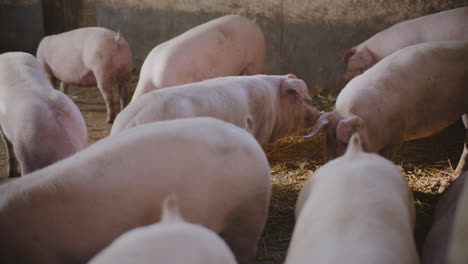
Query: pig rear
<point x="172" y="240"/>
<point x="89" y="56"/>
<point x="39" y="124"/>
<point x="355" y="209"/>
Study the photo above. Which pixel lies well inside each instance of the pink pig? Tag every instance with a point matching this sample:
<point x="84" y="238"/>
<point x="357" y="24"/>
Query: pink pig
<point x="277" y="104"/>
<point x="156" y="243"/>
<point x="413" y="93"/>
<point x="40" y="125"/>
<point x="355" y="209"/>
<point x="229" y="45"/>
<point x="89" y="56"/>
<point x="446" y="25"/>
<point x="71" y="210"/>
<point x="437" y="240"/>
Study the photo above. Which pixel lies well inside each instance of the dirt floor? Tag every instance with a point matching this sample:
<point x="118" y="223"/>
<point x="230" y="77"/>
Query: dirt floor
<point x="428" y="165"/>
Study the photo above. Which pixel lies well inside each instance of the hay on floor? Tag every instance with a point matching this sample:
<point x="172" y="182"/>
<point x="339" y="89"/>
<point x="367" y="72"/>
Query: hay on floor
<point x="428" y="165"/>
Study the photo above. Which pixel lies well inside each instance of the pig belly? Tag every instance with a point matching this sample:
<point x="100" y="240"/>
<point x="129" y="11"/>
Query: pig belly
<point x="87" y="79"/>
<point x="428" y="126"/>
<point x="84" y="78"/>
<point x="72" y="71"/>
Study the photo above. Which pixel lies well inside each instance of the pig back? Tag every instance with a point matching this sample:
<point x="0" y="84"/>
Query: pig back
<point x="216" y="48"/>
<point x="156" y="243"/>
<point x="21" y="74"/>
<point x="227" y="98"/>
<point x="72" y="56"/>
<point x="443" y="26"/>
<point x="422" y="86"/>
<point x="215" y="169"/>
<point x="360" y="205"/>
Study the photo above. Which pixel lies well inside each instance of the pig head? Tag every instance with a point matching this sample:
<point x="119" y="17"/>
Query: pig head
<point x="338" y="131"/>
<point x="358" y="61"/>
<point x="295" y="108"/>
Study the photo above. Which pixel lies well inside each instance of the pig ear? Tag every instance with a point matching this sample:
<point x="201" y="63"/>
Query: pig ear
<point x="362" y="60"/>
<point x="347" y="55"/>
<point x="170" y="210"/>
<point x="347" y="127"/>
<point x="322" y="122"/>
<point x="291" y="76"/>
<point x="295" y="88"/>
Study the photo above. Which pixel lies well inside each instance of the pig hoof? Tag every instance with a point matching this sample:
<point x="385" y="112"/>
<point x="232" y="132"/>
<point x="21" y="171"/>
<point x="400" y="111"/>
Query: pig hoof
<point x="110" y="120"/>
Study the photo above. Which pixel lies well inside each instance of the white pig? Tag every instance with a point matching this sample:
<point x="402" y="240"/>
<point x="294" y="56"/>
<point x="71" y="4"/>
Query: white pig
<point x="171" y="241"/>
<point x="40" y="125"/>
<point x="277" y="104"/>
<point x="229" y="45"/>
<point x="442" y="26"/>
<point x="435" y="245"/>
<point x="355" y="209"/>
<point x="89" y="56"/>
<point x="413" y="93"/>
<point x="68" y="212"/>
<point x="458" y="239"/>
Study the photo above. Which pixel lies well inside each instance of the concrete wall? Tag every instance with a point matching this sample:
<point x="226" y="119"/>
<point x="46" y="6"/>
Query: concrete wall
<point x="21" y="25"/>
<point x="24" y="23"/>
<point x="87" y="13"/>
<point x="304" y="37"/>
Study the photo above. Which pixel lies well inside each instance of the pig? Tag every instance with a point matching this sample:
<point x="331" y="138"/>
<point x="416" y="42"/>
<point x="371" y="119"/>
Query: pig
<point x="172" y="240"/>
<point x="39" y="124"/>
<point x="69" y="211"/>
<point x="458" y="240"/>
<point x="355" y="209"/>
<point x="229" y="45"/>
<point x="413" y="93"/>
<point x="278" y="105"/>
<point x="89" y="56"/>
<point x="442" y="26"/>
<point x="435" y="245"/>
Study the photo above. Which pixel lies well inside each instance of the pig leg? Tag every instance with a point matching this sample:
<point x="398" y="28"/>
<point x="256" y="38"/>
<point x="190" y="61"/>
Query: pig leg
<point x="12" y="161"/>
<point x="389" y="150"/>
<point x="104" y="84"/>
<point x="63" y="87"/>
<point x="124" y="88"/>
<point x="242" y="234"/>
<point x="463" y="164"/>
